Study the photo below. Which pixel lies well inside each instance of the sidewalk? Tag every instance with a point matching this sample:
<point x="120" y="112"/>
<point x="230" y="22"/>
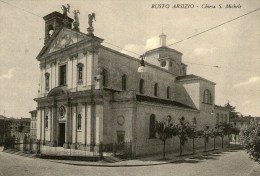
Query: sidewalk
<point x="255" y="171"/>
<point x="146" y="161"/>
<point x="143" y="161"/>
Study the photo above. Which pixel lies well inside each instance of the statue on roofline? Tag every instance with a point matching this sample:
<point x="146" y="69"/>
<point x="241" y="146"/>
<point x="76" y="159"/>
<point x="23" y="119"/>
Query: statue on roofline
<point x="90" y="29"/>
<point x="76" y="15"/>
<point x="65" y="9"/>
<point x="76" y="20"/>
<point x="91" y="17"/>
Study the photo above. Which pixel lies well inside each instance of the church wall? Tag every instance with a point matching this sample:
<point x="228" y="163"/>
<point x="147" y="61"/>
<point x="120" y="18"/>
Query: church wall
<point x="153" y="59"/>
<point x="191" y="92"/>
<point x="144" y="145"/>
<point x="122" y="113"/>
<point x="108" y="122"/>
<point x="80" y="133"/>
<point x="71" y="76"/>
<point x="206" y="110"/>
<point x="117" y="65"/>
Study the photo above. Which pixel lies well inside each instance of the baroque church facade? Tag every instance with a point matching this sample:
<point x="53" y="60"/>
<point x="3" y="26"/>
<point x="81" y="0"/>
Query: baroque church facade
<point x="91" y="94"/>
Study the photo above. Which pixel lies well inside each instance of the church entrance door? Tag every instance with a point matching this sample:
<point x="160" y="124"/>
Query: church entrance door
<point x="120" y="141"/>
<point x="61" y="134"/>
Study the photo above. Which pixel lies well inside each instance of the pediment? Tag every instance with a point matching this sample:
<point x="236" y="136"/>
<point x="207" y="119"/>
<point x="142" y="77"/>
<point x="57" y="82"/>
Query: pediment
<point x="63" y="39"/>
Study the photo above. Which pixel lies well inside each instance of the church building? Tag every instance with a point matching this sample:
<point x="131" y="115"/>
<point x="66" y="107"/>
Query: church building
<point x="91" y="94"/>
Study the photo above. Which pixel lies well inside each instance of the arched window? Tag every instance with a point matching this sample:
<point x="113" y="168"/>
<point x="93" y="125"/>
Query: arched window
<point x="155" y="89"/>
<point x="47" y="81"/>
<point x="79" y="122"/>
<point x="221" y="118"/>
<point x="194" y="121"/>
<point x="168" y="92"/>
<point x="105" y="77"/>
<point x="46" y="121"/>
<point x="163" y="63"/>
<point x="152" y="131"/>
<point x="80" y="73"/>
<point x="124" y="82"/>
<point x="141" y="86"/>
<point x="207" y="98"/>
<point x="226" y="119"/>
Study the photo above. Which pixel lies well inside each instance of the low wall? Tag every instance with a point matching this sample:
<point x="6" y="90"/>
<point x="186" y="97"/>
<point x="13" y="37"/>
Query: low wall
<point x="155" y="146"/>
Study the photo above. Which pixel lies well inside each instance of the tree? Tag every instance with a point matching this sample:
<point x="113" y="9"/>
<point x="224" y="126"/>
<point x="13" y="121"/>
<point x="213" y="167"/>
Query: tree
<point x="235" y="131"/>
<point x="232" y="111"/>
<point x="184" y="130"/>
<point x="192" y="135"/>
<point x="224" y="129"/>
<point x="214" y="134"/>
<point x="164" y="130"/>
<point x="250" y="139"/>
<point x="206" y="133"/>
<point x="20" y="128"/>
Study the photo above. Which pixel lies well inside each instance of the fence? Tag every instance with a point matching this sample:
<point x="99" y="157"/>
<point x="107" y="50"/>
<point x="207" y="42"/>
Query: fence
<point x="29" y="145"/>
<point x="123" y="150"/>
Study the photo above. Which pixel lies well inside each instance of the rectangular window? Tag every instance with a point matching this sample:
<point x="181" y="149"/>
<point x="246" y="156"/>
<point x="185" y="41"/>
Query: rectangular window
<point x="63" y="75"/>
<point x="80" y="74"/>
<point x="79" y="122"/>
<point x="46" y="122"/>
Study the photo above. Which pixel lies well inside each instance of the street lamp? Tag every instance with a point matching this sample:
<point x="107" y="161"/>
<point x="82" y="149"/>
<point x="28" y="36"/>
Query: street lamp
<point x="142" y="68"/>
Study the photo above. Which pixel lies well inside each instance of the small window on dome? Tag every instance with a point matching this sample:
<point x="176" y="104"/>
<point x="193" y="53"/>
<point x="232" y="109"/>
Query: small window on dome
<point x="163" y="63"/>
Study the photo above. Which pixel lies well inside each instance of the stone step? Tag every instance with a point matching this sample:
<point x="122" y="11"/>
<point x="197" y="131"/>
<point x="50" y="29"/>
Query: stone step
<point x="112" y="159"/>
<point x="20" y="153"/>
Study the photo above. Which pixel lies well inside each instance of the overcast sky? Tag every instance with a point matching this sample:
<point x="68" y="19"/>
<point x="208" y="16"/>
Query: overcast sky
<point x="134" y="25"/>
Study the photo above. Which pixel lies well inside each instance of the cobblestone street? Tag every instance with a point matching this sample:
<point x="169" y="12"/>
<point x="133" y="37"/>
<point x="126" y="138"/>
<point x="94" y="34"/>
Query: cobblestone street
<point x="224" y="164"/>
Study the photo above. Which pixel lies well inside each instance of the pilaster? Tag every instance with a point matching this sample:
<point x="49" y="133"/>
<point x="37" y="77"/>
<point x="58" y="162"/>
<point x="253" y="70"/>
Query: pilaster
<point x="68" y="127"/>
<point x="90" y="71"/>
<point x="99" y="124"/>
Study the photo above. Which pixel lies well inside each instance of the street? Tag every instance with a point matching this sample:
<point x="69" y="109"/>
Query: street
<point x="225" y="164"/>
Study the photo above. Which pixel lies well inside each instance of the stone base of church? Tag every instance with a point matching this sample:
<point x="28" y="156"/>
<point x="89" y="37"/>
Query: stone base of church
<point x="53" y="144"/>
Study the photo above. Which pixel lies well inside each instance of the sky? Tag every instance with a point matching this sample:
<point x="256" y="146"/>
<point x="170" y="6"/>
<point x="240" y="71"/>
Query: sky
<point x="135" y="26"/>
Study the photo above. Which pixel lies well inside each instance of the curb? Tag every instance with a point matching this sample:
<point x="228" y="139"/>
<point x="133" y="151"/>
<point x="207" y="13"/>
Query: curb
<point x="191" y="156"/>
<point x="123" y="165"/>
<point x="141" y="165"/>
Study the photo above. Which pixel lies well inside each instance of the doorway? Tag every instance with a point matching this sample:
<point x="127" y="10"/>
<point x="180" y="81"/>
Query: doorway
<point x="120" y="140"/>
<point x="61" y="134"/>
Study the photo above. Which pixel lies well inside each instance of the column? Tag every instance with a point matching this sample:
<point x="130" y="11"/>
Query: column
<point x="68" y="126"/>
<point x="43" y="125"/>
<point x="53" y="126"/>
<point x="85" y="124"/>
<point x="99" y="124"/>
<point x="91" y="126"/>
<point x="70" y="73"/>
<point x="39" y="124"/>
<point x="90" y="69"/>
<point x="74" y="124"/>
<point x="56" y="74"/>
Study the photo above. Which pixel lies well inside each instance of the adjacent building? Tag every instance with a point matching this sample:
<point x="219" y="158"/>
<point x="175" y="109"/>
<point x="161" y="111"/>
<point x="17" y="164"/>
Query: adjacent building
<point x="4" y="129"/>
<point x="33" y="129"/>
<point x="222" y="114"/>
<point x="91" y="94"/>
<point x="21" y="125"/>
